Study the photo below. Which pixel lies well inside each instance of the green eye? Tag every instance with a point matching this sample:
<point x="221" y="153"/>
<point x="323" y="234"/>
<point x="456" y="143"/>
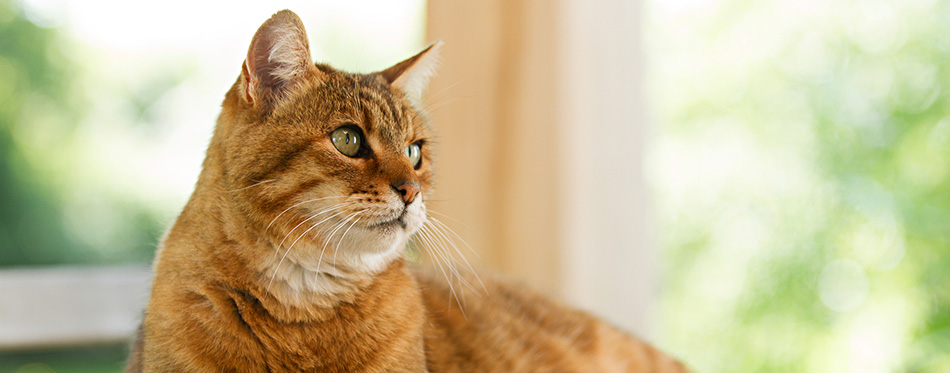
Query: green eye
<point x="347" y="140"/>
<point x="415" y="155"/>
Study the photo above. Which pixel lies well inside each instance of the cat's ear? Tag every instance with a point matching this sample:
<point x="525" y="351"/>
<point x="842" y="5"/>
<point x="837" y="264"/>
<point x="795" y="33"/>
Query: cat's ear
<point x="412" y="75"/>
<point x="277" y="60"/>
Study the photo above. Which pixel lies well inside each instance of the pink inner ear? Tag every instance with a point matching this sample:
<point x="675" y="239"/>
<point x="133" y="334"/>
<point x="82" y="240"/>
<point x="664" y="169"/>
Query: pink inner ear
<point x="248" y="84"/>
<point x="393" y="73"/>
<point x="278" y="55"/>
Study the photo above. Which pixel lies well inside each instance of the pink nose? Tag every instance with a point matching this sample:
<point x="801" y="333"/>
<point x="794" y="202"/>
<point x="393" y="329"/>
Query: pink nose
<point x="408" y="190"/>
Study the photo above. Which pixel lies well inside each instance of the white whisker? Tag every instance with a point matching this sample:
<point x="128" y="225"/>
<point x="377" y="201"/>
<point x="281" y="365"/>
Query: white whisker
<point x="345" y="232"/>
<point x="327" y="241"/>
<point x="441" y="228"/>
<point x="252" y="185"/>
<point x="312" y="228"/>
<point x="439" y="245"/>
<point x="335" y="207"/>
<point x="442" y="240"/>
<point x="446" y="216"/>
<point x="446" y="228"/>
<point x="292" y="246"/>
<point x="424" y="235"/>
<point x="295" y="205"/>
<point x="336" y="251"/>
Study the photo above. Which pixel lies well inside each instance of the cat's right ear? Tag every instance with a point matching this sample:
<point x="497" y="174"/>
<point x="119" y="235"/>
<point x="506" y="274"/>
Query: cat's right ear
<point x="277" y="61"/>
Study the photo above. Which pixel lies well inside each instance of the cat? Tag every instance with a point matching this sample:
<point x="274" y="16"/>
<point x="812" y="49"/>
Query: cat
<point x="289" y="255"/>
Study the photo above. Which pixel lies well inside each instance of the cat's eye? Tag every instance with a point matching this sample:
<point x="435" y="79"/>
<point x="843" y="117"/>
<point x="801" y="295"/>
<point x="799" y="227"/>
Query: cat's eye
<point x="347" y="140"/>
<point x="414" y="153"/>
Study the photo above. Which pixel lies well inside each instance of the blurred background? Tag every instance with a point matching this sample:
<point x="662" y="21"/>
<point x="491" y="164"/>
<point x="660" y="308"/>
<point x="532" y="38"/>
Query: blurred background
<point x="750" y="185"/>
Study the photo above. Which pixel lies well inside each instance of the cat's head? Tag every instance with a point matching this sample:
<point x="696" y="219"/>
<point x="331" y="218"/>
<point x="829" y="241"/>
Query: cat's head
<point x="319" y="164"/>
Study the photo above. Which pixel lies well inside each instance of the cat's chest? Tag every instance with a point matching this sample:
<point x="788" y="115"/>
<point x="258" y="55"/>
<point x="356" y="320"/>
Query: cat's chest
<point x="370" y="335"/>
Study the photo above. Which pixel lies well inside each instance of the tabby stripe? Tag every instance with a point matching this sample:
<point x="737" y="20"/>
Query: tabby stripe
<point x="278" y="202"/>
<point x="379" y="102"/>
<point x="368" y="118"/>
<point x="370" y="107"/>
<point x="391" y="106"/>
<point x="285" y="160"/>
<point x="357" y="97"/>
<point x="306" y="185"/>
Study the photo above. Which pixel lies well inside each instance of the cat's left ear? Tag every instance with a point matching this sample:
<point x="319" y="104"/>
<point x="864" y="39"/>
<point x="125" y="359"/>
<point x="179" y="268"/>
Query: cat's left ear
<point x="412" y="75"/>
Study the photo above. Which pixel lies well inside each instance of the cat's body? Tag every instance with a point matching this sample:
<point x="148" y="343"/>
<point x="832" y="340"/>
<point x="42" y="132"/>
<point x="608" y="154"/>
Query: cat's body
<point x="288" y="256"/>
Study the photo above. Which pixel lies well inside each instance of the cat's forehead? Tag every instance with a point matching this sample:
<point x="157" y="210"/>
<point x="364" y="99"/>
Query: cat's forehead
<point x="368" y="100"/>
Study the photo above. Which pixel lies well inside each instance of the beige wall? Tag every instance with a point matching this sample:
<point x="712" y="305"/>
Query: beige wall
<point x="540" y="126"/>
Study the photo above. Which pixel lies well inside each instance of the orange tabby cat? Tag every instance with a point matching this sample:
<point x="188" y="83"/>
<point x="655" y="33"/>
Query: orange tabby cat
<point x="289" y="254"/>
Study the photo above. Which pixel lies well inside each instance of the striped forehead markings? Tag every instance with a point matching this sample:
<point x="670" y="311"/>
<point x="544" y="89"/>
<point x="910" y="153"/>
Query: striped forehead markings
<point x="392" y="122"/>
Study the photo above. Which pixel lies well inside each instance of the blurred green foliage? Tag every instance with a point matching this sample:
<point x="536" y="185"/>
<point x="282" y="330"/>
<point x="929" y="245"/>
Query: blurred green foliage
<point x="802" y="176"/>
<point x="94" y="359"/>
<point x="41" y="210"/>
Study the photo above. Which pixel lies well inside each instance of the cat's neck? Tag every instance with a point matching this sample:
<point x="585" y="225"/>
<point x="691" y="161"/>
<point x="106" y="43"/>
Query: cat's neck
<point x="298" y="284"/>
<point x="300" y="294"/>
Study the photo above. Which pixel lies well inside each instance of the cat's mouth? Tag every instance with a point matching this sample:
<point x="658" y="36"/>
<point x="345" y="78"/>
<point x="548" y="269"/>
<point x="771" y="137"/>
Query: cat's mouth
<point x="398" y="221"/>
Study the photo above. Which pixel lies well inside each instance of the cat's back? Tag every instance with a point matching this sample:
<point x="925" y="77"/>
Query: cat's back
<point x="503" y="327"/>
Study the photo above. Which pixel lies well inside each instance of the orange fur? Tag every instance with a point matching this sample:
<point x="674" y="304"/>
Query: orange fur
<point x="288" y="256"/>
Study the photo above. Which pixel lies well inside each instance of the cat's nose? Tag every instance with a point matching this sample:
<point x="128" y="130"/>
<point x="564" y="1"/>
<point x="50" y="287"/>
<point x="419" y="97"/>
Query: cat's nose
<point x="408" y="190"/>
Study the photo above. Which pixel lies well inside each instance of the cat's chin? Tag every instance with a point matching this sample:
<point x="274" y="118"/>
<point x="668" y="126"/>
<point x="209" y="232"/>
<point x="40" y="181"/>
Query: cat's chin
<point x="312" y="274"/>
<point x="330" y="266"/>
<point x="390" y="227"/>
<point x="361" y="249"/>
<point x="395" y="229"/>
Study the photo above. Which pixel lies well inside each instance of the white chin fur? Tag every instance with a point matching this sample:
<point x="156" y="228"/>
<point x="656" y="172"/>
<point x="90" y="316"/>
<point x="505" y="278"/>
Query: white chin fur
<point x="308" y="270"/>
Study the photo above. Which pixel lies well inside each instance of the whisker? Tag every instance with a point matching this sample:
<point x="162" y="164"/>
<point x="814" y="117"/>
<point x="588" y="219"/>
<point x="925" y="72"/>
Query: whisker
<point x="338" y="206"/>
<point x="438" y="104"/>
<point x="262" y="182"/>
<point x="434" y="251"/>
<point x="292" y="246"/>
<point x="341" y="237"/>
<point x="440" y="244"/>
<point x="314" y="226"/>
<point x="340" y="242"/>
<point x="295" y="205"/>
<point x="456" y="276"/>
<point x="340" y="226"/>
<point x="443" y="90"/>
<point x="424" y="235"/>
<point x="441" y="228"/>
<point x="441" y="238"/>
<point x="437" y="98"/>
<point x="446" y="228"/>
<point x="446" y="216"/>
<point x="327" y="241"/>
